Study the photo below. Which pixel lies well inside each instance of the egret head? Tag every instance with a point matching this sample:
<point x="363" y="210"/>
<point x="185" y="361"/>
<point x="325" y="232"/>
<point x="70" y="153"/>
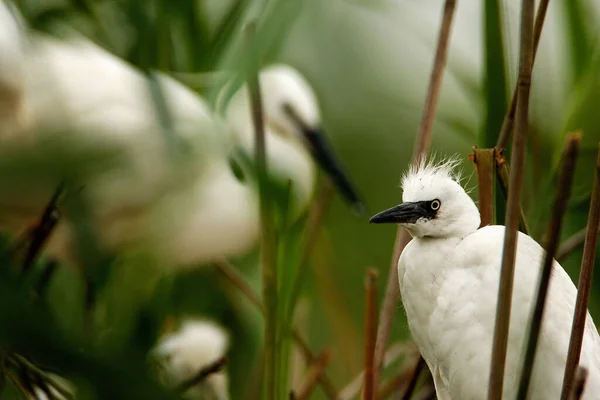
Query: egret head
<point x="434" y="203"/>
<point x="293" y="131"/>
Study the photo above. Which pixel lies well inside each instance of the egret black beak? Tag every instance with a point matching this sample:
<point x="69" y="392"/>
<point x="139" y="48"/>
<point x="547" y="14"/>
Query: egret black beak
<point x="405" y="213"/>
<point x="323" y="154"/>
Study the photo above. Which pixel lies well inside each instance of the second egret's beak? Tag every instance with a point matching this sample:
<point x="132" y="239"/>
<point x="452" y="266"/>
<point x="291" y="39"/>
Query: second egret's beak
<point x="405" y="213"/>
<point x="323" y="155"/>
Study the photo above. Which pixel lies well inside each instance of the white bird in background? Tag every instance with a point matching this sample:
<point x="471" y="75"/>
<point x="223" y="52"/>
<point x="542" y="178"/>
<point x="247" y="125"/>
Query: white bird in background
<point x="186" y="212"/>
<point x="196" y="345"/>
<point x="449" y="277"/>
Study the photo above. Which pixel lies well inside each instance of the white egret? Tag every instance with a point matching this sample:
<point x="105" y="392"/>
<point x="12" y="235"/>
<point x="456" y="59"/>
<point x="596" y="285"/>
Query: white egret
<point x="449" y="275"/>
<point x="194" y="212"/>
<point x="196" y="345"/>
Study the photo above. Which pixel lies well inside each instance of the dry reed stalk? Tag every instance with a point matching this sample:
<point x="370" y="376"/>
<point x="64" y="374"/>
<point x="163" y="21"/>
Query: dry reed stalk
<point x="570" y="244"/>
<point x="563" y="193"/>
<point x="370" y="334"/>
<point x="204" y="373"/>
<point x="503" y="174"/>
<point x="584" y="286"/>
<point x="579" y="385"/>
<point x="505" y="289"/>
<point x="421" y="147"/>
<point x="509" y="118"/>
<point x="393" y="353"/>
<point x="484" y="160"/>
<point x="314" y="372"/>
<point x="414" y="377"/>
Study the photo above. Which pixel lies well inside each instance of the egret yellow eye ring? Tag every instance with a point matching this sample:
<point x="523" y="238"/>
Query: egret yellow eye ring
<point x="435" y="205"/>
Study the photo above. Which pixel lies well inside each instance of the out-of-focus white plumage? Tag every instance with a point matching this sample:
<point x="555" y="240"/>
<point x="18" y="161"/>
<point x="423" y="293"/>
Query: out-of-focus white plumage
<point x="188" y="212"/>
<point x="196" y="345"/>
<point x="282" y="86"/>
<point x="449" y="276"/>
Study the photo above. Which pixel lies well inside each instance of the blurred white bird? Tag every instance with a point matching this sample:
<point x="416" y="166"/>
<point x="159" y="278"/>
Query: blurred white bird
<point x="188" y="212"/>
<point x="449" y="276"/>
<point x="196" y="345"/>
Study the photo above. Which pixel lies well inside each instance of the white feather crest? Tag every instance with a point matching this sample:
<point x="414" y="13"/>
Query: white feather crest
<point x="434" y="165"/>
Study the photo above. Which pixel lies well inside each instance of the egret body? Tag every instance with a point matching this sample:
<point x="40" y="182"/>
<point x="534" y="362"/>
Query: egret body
<point x="449" y="276"/>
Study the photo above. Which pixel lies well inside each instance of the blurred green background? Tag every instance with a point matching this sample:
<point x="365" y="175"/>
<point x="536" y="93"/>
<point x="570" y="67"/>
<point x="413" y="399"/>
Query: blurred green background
<point x="369" y="63"/>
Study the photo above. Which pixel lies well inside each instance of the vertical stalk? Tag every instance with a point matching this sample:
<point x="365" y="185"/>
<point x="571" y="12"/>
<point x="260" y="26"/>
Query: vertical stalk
<point x="584" y="286"/>
<point x="268" y="244"/>
<point x="370" y="334"/>
<point x="509" y="118"/>
<point x="485" y="161"/>
<point x="563" y="193"/>
<point x="513" y="206"/>
<point x="421" y="147"/>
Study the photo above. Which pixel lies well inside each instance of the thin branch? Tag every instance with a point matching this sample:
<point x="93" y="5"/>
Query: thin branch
<point x="231" y="273"/>
<point x="584" y="286"/>
<point x="391" y="355"/>
<point x="268" y="240"/>
<point x="314" y="372"/>
<point x="412" y="383"/>
<point x="204" y="373"/>
<point x="484" y="161"/>
<point x="503" y="174"/>
<point x="421" y="147"/>
<point x="570" y="244"/>
<point x="427" y="393"/>
<point x="238" y="281"/>
<point x="509" y="118"/>
<point x="563" y="193"/>
<point x="325" y="382"/>
<point x="370" y="334"/>
<point x="579" y="385"/>
<point x="395" y="383"/>
<point x="42" y="231"/>
<point x="313" y="225"/>
<point x="512" y="213"/>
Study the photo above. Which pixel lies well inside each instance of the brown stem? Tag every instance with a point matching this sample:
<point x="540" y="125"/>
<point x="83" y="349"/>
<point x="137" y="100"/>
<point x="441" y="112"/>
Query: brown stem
<point x="204" y="373"/>
<point x="370" y="334"/>
<point x="579" y="385"/>
<point x="563" y="193"/>
<point x="512" y="213"/>
<point x="403" y="378"/>
<point x="509" y="118"/>
<point x="42" y="231"/>
<point x="412" y="383"/>
<point x="391" y="355"/>
<point x="314" y="373"/>
<point x="315" y="221"/>
<point x="503" y="174"/>
<point x="484" y="161"/>
<point x="570" y="244"/>
<point x="238" y="281"/>
<point x="584" y="286"/>
<point x="421" y="147"/>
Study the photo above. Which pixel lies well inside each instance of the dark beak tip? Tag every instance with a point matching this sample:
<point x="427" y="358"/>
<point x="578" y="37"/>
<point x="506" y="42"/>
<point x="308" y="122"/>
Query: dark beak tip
<point x="375" y="219"/>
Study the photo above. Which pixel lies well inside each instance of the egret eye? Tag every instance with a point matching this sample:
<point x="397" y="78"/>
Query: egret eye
<point x="435" y="205"/>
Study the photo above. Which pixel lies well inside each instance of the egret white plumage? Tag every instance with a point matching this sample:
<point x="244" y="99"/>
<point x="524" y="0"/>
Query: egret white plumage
<point x="184" y="353"/>
<point x="449" y="275"/>
<point x="195" y="213"/>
